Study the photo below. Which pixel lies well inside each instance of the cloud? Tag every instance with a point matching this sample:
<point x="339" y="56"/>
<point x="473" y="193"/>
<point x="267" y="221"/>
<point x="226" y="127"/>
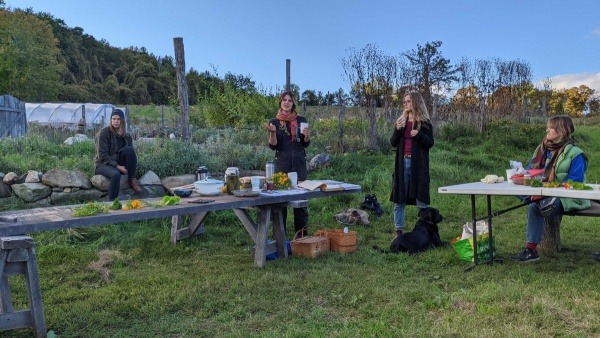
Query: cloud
<point x="596" y="31"/>
<point x="575" y="80"/>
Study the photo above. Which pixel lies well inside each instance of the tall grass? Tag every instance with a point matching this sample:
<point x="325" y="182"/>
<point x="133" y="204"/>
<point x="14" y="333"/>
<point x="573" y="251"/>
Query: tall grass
<point x="206" y="286"/>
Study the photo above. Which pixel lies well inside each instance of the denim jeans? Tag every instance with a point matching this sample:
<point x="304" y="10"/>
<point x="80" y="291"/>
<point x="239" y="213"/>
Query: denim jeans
<point x="535" y="221"/>
<point x="399" y="208"/>
<point x="128" y="158"/>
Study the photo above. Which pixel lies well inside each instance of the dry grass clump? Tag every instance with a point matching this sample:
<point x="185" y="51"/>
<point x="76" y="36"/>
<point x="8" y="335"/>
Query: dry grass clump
<point x="106" y="259"/>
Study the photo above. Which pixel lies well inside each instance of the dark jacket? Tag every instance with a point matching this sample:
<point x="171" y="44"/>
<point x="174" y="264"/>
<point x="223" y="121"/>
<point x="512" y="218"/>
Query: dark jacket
<point x="108" y="145"/>
<point x="419" y="168"/>
<point x="290" y="156"/>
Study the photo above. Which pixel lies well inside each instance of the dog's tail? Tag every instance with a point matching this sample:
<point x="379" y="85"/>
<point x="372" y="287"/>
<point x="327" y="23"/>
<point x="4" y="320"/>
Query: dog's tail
<point x="380" y="250"/>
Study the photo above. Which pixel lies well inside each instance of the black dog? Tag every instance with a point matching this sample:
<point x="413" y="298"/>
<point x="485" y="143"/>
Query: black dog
<point x="424" y="236"/>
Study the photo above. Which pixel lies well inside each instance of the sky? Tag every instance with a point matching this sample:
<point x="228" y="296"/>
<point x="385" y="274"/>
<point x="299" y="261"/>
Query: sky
<point x="559" y="39"/>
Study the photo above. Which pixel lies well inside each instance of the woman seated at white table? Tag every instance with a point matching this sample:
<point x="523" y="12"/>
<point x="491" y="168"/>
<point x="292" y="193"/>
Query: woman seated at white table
<point x="561" y="161"/>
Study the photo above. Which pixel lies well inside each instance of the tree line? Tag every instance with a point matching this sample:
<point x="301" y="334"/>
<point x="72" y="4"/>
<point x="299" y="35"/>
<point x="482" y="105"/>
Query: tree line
<point x="44" y="60"/>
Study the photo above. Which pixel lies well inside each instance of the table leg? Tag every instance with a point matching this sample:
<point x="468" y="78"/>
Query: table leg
<point x="492" y="249"/>
<point x="258" y="231"/>
<point x="279" y="232"/>
<point x="474" y="225"/>
<point x="264" y="218"/>
<point x="195" y="226"/>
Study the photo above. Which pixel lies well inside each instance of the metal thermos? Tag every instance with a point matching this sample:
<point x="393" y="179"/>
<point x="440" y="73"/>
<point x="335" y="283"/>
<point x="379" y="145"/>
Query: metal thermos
<point x="269" y="170"/>
<point x="201" y="173"/>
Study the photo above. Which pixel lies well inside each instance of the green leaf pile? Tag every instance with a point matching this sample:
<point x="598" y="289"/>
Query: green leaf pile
<point x="90" y="209"/>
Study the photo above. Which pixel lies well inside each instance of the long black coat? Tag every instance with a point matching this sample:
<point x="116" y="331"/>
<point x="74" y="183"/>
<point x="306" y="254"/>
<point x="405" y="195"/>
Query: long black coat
<point x="290" y="156"/>
<point x="108" y="146"/>
<point x="419" y="168"/>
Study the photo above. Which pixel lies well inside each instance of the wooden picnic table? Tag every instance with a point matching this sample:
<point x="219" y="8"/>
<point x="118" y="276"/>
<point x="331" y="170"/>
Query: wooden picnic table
<point x="60" y="217"/>
<point x="17" y="254"/>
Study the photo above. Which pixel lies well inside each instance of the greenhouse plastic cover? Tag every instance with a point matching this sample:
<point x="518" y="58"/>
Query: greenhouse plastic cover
<point x="69" y="114"/>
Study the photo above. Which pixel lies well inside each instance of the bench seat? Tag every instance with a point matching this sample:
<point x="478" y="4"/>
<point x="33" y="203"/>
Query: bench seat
<point x="593" y="211"/>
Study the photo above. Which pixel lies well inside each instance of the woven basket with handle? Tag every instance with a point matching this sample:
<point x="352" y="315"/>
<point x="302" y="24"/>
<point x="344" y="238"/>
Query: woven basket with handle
<point x="310" y="246"/>
<point x="340" y="241"/>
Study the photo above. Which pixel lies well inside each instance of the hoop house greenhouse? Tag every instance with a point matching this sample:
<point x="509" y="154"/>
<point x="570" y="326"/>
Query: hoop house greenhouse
<point x="70" y="114"/>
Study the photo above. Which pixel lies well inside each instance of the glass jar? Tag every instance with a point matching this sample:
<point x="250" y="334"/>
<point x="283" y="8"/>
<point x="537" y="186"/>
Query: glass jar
<point x="527" y="179"/>
<point x="233" y="183"/>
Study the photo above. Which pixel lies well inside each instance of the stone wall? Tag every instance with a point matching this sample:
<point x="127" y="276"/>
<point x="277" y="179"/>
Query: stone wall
<point x="61" y="186"/>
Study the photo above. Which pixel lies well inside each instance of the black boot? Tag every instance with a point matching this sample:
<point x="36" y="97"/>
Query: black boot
<point x="398" y="233"/>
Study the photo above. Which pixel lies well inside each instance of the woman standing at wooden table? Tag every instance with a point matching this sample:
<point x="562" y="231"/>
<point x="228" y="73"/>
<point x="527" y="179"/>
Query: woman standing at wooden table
<point x="289" y="143"/>
<point x="412" y="138"/>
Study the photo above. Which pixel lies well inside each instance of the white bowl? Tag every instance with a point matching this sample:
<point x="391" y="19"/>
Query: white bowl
<point x="208" y="187"/>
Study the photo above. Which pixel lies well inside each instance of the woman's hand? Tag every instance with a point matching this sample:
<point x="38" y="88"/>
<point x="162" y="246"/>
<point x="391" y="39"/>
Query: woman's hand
<point x="271" y="127"/>
<point x="272" y="133"/>
<point x="306" y="133"/>
<point x="400" y="122"/>
<point x="414" y="132"/>
<point x="122" y="169"/>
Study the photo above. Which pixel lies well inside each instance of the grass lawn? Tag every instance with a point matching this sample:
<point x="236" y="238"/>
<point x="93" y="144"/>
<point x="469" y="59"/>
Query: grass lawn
<point x="127" y="280"/>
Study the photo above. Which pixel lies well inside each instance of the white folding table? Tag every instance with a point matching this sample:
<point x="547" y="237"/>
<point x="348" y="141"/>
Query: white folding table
<point x="509" y="189"/>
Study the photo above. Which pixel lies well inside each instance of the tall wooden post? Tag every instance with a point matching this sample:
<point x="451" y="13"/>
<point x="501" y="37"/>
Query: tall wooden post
<point x="341" y="117"/>
<point x="182" y="89"/>
<point x="287" y="74"/>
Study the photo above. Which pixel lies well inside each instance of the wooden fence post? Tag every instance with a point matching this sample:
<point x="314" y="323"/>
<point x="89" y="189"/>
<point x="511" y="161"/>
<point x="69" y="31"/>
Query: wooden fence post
<point x="182" y="88"/>
<point x="341" y="113"/>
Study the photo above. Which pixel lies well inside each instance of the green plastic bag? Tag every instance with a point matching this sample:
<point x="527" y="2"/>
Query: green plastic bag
<point x="464" y="248"/>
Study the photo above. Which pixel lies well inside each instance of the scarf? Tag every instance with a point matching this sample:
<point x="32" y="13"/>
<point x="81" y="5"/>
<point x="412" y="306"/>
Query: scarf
<point x="284" y="117"/>
<point x="539" y="158"/>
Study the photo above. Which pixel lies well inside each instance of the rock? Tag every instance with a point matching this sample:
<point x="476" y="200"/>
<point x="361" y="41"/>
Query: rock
<point x="33" y="176"/>
<point x="101" y="182"/>
<point x="44" y="202"/>
<point x="64" y="179"/>
<point x="31" y="192"/>
<point x="10" y="178"/>
<point x="5" y="190"/>
<point x="178" y="181"/>
<point x="82" y="195"/>
<point x="20" y="179"/>
<point x="149" y="178"/>
<point x="321" y="160"/>
<point x="77" y="138"/>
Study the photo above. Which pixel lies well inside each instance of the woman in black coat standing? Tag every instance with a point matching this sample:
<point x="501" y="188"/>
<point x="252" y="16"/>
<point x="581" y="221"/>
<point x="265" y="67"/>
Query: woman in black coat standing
<point x="289" y="141"/>
<point x="412" y="138"/>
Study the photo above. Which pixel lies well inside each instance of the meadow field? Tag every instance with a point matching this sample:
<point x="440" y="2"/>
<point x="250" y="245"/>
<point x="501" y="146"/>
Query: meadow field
<point x="127" y="280"/>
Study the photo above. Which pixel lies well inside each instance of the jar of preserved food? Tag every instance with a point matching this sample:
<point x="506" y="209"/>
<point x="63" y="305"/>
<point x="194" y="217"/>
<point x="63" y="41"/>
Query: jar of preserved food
<point x="233" y="182"/>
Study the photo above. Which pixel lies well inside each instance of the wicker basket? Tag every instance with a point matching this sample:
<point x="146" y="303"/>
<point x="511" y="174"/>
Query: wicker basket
<point x="340" y="241"/>
<point x="310" y="246"/>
